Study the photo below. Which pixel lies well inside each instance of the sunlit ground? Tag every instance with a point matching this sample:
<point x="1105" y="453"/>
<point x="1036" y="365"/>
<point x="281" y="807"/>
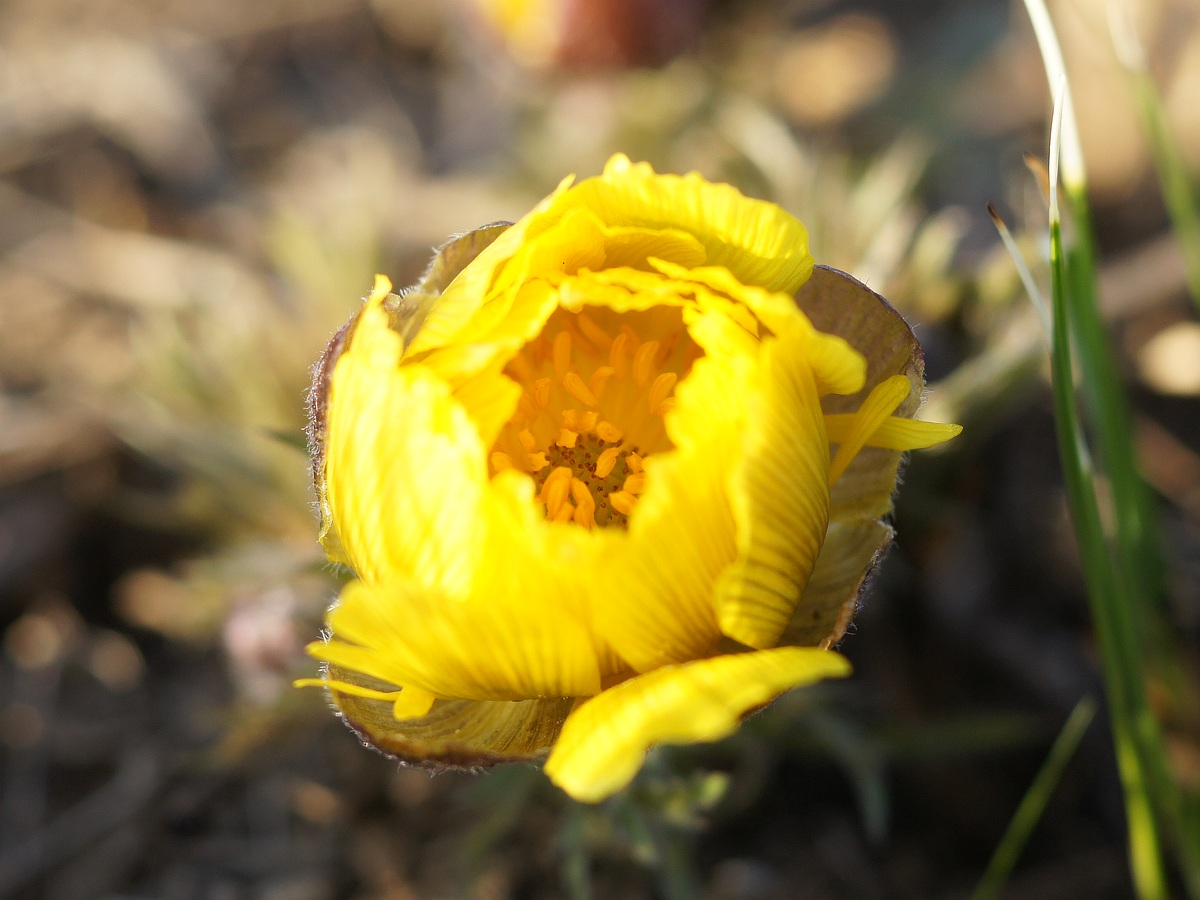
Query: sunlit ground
<point x="194" y="197"/>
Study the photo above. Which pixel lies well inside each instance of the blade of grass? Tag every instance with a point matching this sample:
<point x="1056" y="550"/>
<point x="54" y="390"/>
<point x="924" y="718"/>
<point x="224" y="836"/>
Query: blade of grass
<point x="1027" y="279"/>
<point x="1103" y="584"/>
<point x="1119" y="549"/>
<point x="1174" y="181"/>
<point x="1103" y="397"/>
<point x="1030" y="810"/>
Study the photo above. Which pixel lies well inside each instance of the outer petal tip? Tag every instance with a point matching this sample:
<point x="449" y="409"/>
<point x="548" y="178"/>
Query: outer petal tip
<point x="605" y="739"/>
<point x="383" y="287"/>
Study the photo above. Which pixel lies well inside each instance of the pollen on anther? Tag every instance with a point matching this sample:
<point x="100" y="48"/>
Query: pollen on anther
<point x="566" y="438"/>
<point x="528" y="441"/>
<point x="622" y="501"/>
<point x="501" y="461"/>
<point x="555" y="490"/>
<point x="609" y="432"/>
<point x="635" y="483"/>
<point x="541" y="392"/>
<point x="585" y="504"/>
<point x="634" y="462"/>
<point x="606" y="460"/>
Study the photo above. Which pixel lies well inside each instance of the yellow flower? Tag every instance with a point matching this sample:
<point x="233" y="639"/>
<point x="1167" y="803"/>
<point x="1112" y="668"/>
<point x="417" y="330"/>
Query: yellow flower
<point x="609" y="477"/>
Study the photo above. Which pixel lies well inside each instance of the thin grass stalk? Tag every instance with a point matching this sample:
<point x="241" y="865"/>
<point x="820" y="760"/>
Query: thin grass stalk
<point x="1175" y="182"/>
<point x="1104" y="399"/>
<point x="1130" y="511"/>
<point x="1130" y="524"/>
<point x="1145" y="856"/>
<point x="1121" y="560"/>
<point x="1128" y="540"/>
<point x="1033" y="804"/>
<point x="1179" y="193"/>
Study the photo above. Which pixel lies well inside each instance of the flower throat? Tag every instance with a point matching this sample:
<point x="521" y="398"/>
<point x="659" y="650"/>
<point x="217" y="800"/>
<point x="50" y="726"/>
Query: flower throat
<point x="595" y="387"/>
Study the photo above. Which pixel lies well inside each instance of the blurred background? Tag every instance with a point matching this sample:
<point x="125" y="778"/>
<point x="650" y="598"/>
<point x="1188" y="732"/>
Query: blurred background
<point x="193" y="197"/>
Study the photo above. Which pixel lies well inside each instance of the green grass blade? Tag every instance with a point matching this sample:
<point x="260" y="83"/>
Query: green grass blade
<point x="1099" y="384"/>
<point x="1030" y="810"/>
<point x="1103" y="591"/>
<point x="1115" y="528"/>
<point x="1175" y="182"/>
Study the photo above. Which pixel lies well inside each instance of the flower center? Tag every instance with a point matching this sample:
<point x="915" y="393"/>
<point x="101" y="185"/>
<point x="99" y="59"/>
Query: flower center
<point x="595" y="387"/>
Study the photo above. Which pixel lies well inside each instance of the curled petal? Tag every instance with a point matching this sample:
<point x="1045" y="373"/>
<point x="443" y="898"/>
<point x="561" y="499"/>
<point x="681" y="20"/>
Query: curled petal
<point x="758" y="242"/>
<point x="453" y="734"/>
<point x="490" y="649"/>
<point x="654" y="587"/>
<point x="830" y="599"/>
<point x="471" y="287"/>
<point x="876" y="409"/>
<point x="780" y="497"/>
<point x="841" y="305"/>
<point x="865" y="480"/>
<point x="408" y="460"/>
<point x="893" y="433"/>
<point x="653" y="600"/>
<point x="604" y="741"/>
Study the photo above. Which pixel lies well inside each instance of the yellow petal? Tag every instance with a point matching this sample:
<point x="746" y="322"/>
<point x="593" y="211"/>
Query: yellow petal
<point x="345" y="687"/>
<point x="779" y="492"/>
<point x="879" y="405"/>
<point x="453" y="733"/>
<point x="634" y="246"/>
<point x="830" y="599"/>
<point x="622" y="218"/>
<point x="838" y="304"/>
<point x="894" y="433"/>
<point x="757" y="241"/>
<point x="495" y="341"/>
<point x="405" y="464"/>
<point x="654" y="585"/>
<point x="489" y="398"/>
<point x="413" y="703"/>
<point x="838" y="367"/>
<point x="574" y="242"/>
<point x="621" y="290"/>
<point x="654" y="588"/>
<point x="407" y="703"/>
<point x="318" y="409"/>
<point x="473" y="286"/>
<point x="491" y="646"/>
<point x="605" y="739"/>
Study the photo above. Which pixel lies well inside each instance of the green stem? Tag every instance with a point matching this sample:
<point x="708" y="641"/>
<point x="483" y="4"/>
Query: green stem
<point x="1034" y="802"/>
<point x="1103" y="584"/>
<point x="1173" y="179"/>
